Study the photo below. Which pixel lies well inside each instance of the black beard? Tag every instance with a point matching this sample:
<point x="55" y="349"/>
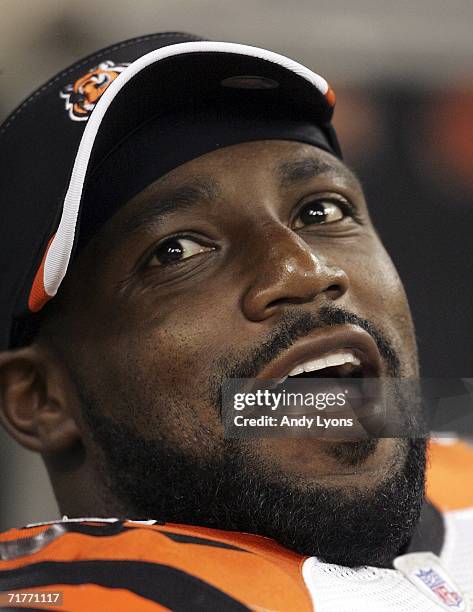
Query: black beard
<point x="234" y="490"/>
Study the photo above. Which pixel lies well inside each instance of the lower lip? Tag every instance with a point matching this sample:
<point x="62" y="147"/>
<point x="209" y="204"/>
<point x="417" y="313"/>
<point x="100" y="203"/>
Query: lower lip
<point x="363" y="403"/>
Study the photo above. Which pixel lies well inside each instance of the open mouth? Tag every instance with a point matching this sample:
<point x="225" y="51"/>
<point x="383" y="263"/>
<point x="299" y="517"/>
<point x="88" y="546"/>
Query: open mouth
<point x="342" y="360"/>
<point x="335" y="352"/>
<point x="336" y="364"/>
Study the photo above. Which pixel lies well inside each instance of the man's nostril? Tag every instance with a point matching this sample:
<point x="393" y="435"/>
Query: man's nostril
<point x="291" y="301"/>
<point x="333" y="288"/>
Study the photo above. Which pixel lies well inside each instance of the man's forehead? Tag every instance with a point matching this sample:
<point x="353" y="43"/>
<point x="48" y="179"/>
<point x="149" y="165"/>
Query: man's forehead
<point x="286" y="163"/>
<point x="282" y="159"/>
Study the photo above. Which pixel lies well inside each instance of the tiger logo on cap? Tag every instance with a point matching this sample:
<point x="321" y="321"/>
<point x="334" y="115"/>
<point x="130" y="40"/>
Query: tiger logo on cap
<point x="82" y="95"/>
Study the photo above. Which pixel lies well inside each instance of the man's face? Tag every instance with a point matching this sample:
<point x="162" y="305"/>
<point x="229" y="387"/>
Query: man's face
<point x="223" y="268"/>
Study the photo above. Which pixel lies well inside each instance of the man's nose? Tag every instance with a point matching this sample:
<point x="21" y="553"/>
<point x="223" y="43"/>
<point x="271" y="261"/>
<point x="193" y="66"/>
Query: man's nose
<point x="286" y="270"/>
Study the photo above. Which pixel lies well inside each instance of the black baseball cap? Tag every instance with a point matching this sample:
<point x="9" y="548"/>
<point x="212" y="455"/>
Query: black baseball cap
<point x="192" y="94"/>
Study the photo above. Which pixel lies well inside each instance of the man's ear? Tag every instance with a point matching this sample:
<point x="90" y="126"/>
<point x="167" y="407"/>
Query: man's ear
<point x="36" y="397"/>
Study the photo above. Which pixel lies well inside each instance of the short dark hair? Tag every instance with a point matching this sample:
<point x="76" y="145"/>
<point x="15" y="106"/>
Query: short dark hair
<point x="25" y="330"/>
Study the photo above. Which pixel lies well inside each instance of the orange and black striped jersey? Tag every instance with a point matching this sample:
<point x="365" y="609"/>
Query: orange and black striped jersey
<point x="109" y="564"/>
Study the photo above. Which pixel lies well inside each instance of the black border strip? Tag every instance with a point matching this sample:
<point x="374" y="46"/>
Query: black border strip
<point x="162" y="584"/>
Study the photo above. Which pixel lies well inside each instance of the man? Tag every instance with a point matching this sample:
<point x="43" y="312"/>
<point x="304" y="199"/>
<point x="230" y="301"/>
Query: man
<point x="177" y="214"/>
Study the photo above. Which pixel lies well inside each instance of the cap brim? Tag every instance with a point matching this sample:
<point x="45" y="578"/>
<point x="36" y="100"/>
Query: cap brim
<point x="192" y="76"/>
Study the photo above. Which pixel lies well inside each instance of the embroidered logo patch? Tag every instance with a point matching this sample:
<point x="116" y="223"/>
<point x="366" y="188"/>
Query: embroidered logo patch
<point x="438" y="585"/>
<point x="426" y="572"/>
<point x="82" y="95"/>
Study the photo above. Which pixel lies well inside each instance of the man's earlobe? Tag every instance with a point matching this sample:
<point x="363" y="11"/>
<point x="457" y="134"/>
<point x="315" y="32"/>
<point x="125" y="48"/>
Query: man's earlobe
<point x="35" y="400"/>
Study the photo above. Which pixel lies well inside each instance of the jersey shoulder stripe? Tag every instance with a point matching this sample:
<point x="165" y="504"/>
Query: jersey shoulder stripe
<point x="165" y="585"/>
<point x="223" y="570"/>
<point x="449" y="481"/>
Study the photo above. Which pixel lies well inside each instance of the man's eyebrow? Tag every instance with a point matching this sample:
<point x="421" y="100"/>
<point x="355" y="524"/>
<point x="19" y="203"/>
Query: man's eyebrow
<point x="191" y="194"/>
<point x="298" y="170"/>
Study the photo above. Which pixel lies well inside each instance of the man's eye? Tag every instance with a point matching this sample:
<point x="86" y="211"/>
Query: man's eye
<point x="318" y="211"/>
<point x="175" y="250"/>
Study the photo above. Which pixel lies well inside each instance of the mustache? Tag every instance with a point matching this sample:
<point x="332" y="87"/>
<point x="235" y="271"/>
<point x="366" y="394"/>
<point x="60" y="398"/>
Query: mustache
<point x="298" y="325"/>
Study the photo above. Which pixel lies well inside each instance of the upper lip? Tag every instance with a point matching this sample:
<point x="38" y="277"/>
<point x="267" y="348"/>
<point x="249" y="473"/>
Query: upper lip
<point x="323" y="341"/>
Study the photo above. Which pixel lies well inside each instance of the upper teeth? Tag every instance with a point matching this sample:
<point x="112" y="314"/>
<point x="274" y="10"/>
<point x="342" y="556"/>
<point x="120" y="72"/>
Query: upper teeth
<point x="327" y="361"/>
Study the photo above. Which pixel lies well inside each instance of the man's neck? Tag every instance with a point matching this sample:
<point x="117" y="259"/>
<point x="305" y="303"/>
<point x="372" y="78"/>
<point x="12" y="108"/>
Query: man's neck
<point x="429" y="533"/>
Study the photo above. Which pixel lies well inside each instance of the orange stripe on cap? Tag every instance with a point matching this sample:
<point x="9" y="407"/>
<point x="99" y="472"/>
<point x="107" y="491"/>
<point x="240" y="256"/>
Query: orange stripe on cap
<point x="330" y="96"/>
<point x="38" y="296"/>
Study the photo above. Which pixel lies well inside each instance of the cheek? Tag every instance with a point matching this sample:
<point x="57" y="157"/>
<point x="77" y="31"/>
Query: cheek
<point x="155" y="363"/>
<point x="378" y="295"/>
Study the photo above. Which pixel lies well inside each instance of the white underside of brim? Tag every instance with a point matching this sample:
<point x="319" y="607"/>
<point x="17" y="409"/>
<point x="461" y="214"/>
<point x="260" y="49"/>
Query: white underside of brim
<point x="59" y="252"/>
